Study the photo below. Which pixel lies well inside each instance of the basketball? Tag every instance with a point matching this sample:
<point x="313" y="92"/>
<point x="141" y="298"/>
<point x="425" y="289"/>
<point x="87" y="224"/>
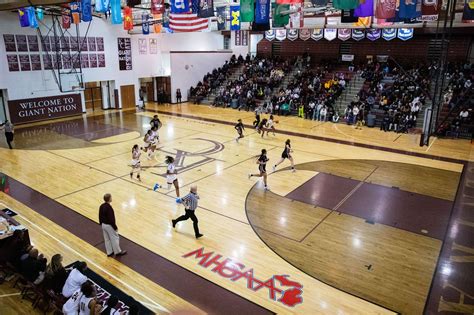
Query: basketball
<point x="179" y="200"/>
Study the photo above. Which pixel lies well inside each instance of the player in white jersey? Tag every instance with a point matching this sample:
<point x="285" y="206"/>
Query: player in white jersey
<point x="136" y="166"/>
<point x="71" y="307"/>
<point x="155" y="140"/>
<point x="171" y="174"/>
<point x="88" y="303"/>
<point x="147" y="140"/>
<point x="270" y="125"/>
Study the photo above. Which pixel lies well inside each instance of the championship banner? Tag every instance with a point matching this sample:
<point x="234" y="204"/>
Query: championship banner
<point x="468" y="12"/>
<point x="179" y="6"/>
<point x="247" y="10"/>
<point x="157" y="6"/>
<point x="317" y="34"/>
<point x="330" y="34"/>
<point x="405" y="33"/>
<point x="365" y="9"/>
<point x="364" y="22"/>
<point x="86" y="9"/>
<point x="280" y="34"/>
<point x="127" y="19"/>
<point x="235" y="17"/>
<point x="358" y="34"/>
<point x="292" y="34"/>
<point x="385" y="9"/>
<point x="389" y="33"/>
<point x="373" y="34"/>
<point x="270" y="35"/>
<point x="280" y="20"/>
<point x="206" y="8"/>
<point x="65" y="18"/>
<point x="344" y="33"/>
<point x="39" y="13"/>
<point x="32" y="18"/>
<point x="166" y="17"/>
<point x="221" y="18"/>
<point x="262" y="15"/>
<point x="75" y="12"/>
<point x="116" y="11"/>
<point x="145" y="24"/>
<point x="297" y="18"/>
<point x="305" y="34"/>
<point x="430" y="10"/>
<point x="23" y="17"/>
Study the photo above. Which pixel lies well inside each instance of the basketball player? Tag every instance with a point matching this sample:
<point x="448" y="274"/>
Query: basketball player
<point x="270" y="126"/>
<point x="257" y="118"/>
<point x="262" y="167"/>
<point x="136" y="162"/>
<point x="147" y="140"/>
<point x="261" y="126"/>
<point x="155" y="139"/>
<point x="240" y="128"/>
<point x="286" y="154"/>
<point x="171" y="174"/>
<point x="155" y="122"/>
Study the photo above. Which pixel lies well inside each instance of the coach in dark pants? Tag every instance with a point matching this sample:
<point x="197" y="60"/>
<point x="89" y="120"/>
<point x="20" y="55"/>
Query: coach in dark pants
<point x="8" y="126"/>
<point x="190" y="202"/>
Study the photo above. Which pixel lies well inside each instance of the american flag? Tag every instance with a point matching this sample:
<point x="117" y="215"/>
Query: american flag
<point x="187" y="22"/>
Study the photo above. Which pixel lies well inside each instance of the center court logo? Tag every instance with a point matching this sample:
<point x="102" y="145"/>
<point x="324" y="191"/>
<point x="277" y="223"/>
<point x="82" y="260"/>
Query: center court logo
<point x="279" y="287"/>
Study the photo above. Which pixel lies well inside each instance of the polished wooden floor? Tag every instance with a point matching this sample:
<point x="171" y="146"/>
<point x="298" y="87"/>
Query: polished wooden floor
<point x="77" y="172"/>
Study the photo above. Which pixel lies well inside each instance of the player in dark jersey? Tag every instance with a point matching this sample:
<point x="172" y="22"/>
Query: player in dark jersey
<point x="155" y="122"/>
<point x="240" y="129"/>
<point x="262" y="167"/>
<point x="257" y="119"/>
<point x="286" y="154"/>
<point x="262" y="126"/>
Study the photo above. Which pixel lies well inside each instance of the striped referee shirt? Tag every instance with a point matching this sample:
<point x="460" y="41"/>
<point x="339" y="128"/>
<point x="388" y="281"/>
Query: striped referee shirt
<point x="190" y="201"/>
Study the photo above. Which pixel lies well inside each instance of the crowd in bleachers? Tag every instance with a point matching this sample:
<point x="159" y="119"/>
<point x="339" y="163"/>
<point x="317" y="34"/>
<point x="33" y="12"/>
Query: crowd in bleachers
<point x="49" y="284"/>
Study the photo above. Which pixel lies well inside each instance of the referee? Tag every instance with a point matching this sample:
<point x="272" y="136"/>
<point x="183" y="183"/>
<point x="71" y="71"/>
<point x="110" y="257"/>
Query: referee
<point x="190" y="202"/>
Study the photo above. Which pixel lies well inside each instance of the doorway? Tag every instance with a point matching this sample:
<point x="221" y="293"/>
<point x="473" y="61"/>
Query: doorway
<point x="3" y="112"/>
<point x="163" y="86"/>
<point x="147" y="90"/>
<point x="127" y="96"/>
<point x="93" y="96"/>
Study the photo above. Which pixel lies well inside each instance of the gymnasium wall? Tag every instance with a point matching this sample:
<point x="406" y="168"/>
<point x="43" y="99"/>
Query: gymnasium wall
<point x="41" y="83"/>
<point x="403" y="51"/>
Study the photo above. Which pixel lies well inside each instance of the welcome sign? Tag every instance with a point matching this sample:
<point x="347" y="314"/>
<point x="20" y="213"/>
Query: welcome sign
<point x="43" y="108"/>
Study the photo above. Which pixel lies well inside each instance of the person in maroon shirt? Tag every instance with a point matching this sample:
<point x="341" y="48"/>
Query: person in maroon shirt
<point x="109" y="228"/>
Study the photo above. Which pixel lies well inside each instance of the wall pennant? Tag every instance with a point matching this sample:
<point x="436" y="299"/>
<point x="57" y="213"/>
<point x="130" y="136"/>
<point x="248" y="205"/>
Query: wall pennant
<point x="305" y="34"/>
<point x="344" y="33"/>
<point x="270" y="35"/>
<point x="358" y="34"/>
<point x="330" y="34"/>
<point x="280" y="34"/>
<point x="405" y="33"/>
<point x="317" y="34"/>
<point x="292" y="34"/>
<point x="373" y="34"/>
<point x="389" y="33"/>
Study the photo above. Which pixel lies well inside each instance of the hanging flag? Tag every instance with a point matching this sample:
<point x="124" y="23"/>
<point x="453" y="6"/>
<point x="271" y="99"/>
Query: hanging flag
<point x="317" y="34"/>
<point x="157" y="26"/>
<point x="430" y="10"/>
<point x="292" y="34"/>
<point x="373" y="34"/>
<point x="127" y="19"/>
<point x="23" y="16"/>
<point x="270" y="35"/>
<point x="99" y="6"/>
<point x="65" y="18"/>
<point x="166" y="17"/>
<point x="247" y="10"/>
<point x="385" y="9"/>
<point x="409" y="9"/>
<point x="179" y="6"/>
<point x="145" y="24"/>
<point x="262" y="14"/>
<point x="280" y="20"/>
<point x="234" y="17"/>
<point x="405" y="33"/>
<point x="75" y="12"/>
<point x="280" y="34"/>
<point x="116" y="11"/>
<point x="468" y="12"/>
<point x="297" y="18"/>
<point x="157" y="6"/>
<point x="345" y="4"/>
<point x="32" y="17"/>
<point x="358" y="34"/>
<point x="39" y="13"/>
<point x="187" y="22"/>
<point x="86" y="9"/>
<point x="389" y="33"/>
<point x="319" y="3"/>
<point x="206" y="8"/>
<point x="364" y="22"/>
<point x="221" y="18"/>
<point x="344" y="34"/>
<point x="288" y="1"/>
<point x="195" y="6"/>
<point x="305" y="34"/>
<point x="330" y="33"/>
<point x="365" y="9"/>
<point x="347" y="16"/>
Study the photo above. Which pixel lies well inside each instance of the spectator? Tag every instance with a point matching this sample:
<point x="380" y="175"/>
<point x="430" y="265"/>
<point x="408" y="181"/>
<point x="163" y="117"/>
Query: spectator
<point x="56" y="274"/>
<point x="75" y="279"/>
<point x="464" y="115"/>
<point x="322" y="113"/>
<point x="9" y="132"/>
<point x="178" y="96"/>
<point x="33" y="266"/>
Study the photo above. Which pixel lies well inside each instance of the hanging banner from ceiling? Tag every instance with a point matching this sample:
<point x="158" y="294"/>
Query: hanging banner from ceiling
<point x="235" y="17"/>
